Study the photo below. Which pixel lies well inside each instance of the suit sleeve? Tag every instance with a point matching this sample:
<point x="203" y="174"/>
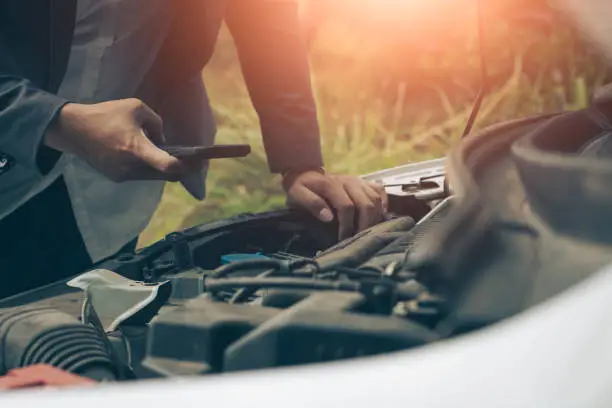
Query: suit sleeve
<point x="274" y="63"/>
<point x="25" y="114"/>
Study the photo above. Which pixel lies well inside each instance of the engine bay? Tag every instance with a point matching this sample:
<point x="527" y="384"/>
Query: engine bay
<point x="471" y="240"/>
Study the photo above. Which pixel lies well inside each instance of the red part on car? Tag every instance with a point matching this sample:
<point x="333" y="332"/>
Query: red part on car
<point x="41" y="376"/>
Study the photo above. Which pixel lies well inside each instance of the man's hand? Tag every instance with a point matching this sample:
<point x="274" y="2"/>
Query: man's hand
<point x="358" y="204"/>
<point x="117" y="139"/>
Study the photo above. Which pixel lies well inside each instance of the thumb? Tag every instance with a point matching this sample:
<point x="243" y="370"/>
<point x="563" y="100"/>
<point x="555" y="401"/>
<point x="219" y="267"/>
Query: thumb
<point x="301" y="196"/>
<point x="160" y="160"/>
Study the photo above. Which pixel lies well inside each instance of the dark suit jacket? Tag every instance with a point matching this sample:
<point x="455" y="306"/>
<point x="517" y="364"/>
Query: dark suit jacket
<point x="35" y="42"/>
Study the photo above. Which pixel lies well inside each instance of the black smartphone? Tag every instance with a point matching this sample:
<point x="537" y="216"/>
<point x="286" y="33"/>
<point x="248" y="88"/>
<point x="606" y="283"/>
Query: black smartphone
<point x="208" y="152"/>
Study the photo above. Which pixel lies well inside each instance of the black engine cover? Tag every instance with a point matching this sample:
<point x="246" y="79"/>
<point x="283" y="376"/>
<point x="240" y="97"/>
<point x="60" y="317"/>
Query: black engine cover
<point x="202" y="336"/>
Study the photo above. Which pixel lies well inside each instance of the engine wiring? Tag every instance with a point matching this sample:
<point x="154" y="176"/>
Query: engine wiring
<point x="276" y="264"/>
<point x="285" y="283"/>
<point x="244" y="294"/>
<point x="304" y="274"/>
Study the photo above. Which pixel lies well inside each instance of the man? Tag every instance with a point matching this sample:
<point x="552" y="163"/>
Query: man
<point x="90" y="88"/>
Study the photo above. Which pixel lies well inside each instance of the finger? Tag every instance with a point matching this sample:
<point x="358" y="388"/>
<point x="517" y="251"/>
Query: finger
<point x="378" y="203"/>
<point x="380" y="189"/>
<point x="377" y="199"/>
<point x="336" y="196"/>
<point x="368" y="212"/>
<point x="169" y="166"/>
<point x="143" y="171"/>
<point x="303" y="197"/>
<point x="152" y="124"/>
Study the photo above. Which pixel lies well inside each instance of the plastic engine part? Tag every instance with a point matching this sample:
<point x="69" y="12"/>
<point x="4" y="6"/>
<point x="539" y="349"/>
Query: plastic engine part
<point x="32" y="336"/>
<point x="190" y="339"/>
<point x="324" y="327"/>
<point x="201" y="336"/>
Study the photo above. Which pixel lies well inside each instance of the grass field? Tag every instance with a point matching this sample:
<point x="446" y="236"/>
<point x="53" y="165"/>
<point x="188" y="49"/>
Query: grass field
<point x="386" y="97"/>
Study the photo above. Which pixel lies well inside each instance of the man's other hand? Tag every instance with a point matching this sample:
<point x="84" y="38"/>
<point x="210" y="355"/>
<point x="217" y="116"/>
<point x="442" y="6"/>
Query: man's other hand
<point x="118" y="139"/>
<point x="358" y="204"/>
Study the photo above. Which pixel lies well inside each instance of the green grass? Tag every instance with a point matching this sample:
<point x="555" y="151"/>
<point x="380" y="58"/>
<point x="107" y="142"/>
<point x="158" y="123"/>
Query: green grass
<point x="381" y="104"/>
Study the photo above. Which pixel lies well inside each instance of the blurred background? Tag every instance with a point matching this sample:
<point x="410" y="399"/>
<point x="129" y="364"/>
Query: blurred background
<point x="394" y="81"/>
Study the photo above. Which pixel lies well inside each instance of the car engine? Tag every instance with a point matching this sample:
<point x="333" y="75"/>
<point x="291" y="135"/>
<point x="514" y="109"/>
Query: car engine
<point x="514" y="215"/>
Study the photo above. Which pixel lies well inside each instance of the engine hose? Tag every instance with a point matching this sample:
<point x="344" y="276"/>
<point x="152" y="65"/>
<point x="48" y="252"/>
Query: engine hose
<point x="276" y="264"/>
<point x="30" y="336"/>
<point x="214" y="285"/>
<point x="244" y="293"/>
